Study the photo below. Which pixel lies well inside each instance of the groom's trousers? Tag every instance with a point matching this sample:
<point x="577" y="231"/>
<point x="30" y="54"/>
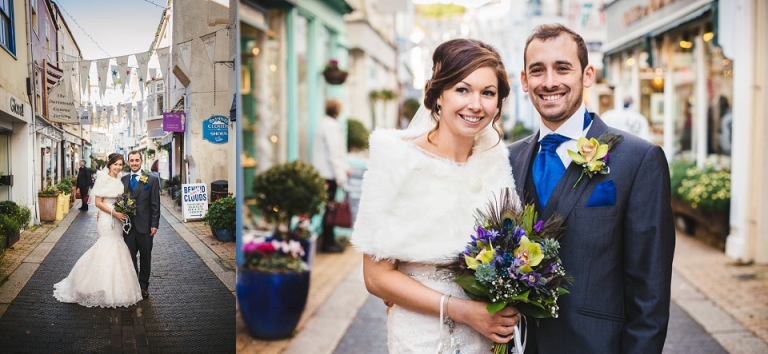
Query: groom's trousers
<point x="142" y="244"/>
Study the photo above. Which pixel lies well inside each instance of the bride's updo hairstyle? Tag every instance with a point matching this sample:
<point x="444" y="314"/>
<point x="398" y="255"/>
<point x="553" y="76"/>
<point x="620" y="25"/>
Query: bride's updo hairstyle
<point x="113" y="158"/>
<point x="452" y="62"/>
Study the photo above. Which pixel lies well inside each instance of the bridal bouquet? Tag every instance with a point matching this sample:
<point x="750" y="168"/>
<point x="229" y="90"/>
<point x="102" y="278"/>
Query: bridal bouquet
<point x="513" y="260"/>
<point x="127" y="205"/>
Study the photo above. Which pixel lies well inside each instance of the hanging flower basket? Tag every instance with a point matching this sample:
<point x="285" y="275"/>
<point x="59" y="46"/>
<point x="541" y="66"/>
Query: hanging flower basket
<point x="334" y="75"/>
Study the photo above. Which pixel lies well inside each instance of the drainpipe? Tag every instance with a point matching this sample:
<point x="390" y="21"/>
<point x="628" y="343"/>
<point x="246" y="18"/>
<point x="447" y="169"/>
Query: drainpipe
<point x="33" y="101"/>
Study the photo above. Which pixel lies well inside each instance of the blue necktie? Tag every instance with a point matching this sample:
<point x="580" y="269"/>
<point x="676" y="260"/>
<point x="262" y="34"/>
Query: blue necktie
<point x="548" y="168"/>
<point x="133" y="181"/>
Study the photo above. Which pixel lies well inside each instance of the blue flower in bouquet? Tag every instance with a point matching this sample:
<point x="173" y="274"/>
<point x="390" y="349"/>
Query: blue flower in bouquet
<point x="125" y="204"/>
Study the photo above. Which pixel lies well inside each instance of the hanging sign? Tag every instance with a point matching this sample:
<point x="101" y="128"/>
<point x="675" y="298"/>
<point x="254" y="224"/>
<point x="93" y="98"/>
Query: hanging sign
<point x="194" y="201"/>
<point x="216" y="129"/>
<point x="174" y="122"/>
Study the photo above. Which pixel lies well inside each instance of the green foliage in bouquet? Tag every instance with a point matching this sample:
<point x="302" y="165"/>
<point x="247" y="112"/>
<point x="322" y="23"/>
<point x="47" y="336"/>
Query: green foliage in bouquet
<point x="707" y="189"/>
<point x="288" y="190"/>
<point x="65" y="186"/>
<point x="221" y="215"/>
<point x="357" y="135"/>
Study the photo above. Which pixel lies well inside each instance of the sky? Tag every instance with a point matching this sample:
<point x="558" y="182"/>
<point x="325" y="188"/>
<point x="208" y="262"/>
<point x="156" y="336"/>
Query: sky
<point x="120" y="27"/>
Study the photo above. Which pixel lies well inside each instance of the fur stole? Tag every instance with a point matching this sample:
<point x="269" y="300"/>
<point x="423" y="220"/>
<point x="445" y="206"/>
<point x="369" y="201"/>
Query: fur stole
<point x="418" y="208"/>
<point x="106" y="186"/>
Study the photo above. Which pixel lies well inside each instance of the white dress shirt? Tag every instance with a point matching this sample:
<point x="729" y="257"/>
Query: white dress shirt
<point x="573" y="129"/>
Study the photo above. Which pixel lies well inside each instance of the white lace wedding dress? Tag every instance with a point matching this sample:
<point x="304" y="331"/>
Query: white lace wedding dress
<point x="418" y="209"/>
<point x="104" y="276"/>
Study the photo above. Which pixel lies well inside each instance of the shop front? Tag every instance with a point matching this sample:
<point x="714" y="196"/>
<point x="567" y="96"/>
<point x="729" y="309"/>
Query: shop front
<point x="285" y="46"/>
<point x="14" y="143"/>
<point x="666" y="57"/>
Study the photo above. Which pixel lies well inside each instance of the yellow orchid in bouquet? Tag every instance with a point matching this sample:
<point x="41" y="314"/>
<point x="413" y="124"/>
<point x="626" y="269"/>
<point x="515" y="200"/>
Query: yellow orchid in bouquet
<point x="593" y="155"/>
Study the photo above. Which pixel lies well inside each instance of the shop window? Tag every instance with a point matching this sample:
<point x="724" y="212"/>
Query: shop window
<point x="301" y="29"/>
<point x="7" y="34"/>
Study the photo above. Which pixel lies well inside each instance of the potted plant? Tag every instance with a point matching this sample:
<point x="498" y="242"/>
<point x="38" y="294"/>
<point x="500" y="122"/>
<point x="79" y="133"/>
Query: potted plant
<point x="357" y="135"/>
<point x="701" y="201"/>
<point x="334" y="75"/>
<point x="288" y="196"/>
<point x="272" y="287"/>
<point x="222" y="218"/>
<point x="47" y="197"/>
<point x="13" y="220"/>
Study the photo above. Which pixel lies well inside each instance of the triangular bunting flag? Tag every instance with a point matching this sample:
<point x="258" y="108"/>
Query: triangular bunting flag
<point x="101" y="69"/>
<point x="115" y="75"/>
<point x="140" y="110"/>
<point x="83" y="68"/>
<point x="129" y="110"/>
<point x="122" y="68"/>
<point x="164" y="58"/>
<point x="186" y="51"/>
<point x="209" y="40"/>
<point x="143" y="60"/>
<point x="67" y="68"/>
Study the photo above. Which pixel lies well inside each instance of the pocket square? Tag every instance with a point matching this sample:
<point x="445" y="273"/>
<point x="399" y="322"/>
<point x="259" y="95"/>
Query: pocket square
<point x="603" y="195"/>
<point x="146" y="187"/>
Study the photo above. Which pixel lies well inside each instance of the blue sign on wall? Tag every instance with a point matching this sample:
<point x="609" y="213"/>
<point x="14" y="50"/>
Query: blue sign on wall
<point x="216" y="129"/>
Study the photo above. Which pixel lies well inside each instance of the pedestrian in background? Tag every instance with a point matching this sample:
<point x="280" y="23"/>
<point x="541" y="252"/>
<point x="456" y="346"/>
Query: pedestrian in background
<point x="83" y="183"/>
<point x="329" y="159"/>
<point x="628" y="120"/>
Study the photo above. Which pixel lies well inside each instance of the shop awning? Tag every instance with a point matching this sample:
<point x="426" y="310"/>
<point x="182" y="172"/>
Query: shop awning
<point x="693" y="16"/>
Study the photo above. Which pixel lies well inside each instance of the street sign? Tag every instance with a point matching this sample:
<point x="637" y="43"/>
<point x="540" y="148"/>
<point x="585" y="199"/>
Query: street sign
<point x="194" y="201"/>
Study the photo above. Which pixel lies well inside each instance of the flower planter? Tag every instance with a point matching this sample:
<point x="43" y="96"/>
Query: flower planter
<point x="335" y="77"/>
<point x="710" y="227"/>
<point x="271" y="304"/>
<point x="6" y="180"/>
<point x="224" y="235"/>
<point x="47" y="207"/>
<point x="62" y="206"/>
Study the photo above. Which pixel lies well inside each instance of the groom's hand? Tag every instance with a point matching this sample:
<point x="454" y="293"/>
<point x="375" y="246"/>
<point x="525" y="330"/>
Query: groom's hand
<point x="152" y="231"/>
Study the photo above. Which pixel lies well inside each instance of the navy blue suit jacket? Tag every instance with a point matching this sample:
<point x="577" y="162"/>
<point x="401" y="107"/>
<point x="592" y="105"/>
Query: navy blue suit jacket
<point x="619" y="255"/>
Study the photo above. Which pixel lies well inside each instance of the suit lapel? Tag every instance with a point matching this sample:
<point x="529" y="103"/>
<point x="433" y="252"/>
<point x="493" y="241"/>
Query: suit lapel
<point x="521" y="169"/>
<point x="565" y="195"/>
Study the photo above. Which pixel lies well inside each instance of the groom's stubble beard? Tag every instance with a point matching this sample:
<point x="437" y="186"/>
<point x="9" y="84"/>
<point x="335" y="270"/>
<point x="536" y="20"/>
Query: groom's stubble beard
<point x="569" y="110"/>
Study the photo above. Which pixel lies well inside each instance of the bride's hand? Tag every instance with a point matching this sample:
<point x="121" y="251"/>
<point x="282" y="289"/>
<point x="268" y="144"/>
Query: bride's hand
<point x="119" y="216"/>
<point x="498" y="327"/>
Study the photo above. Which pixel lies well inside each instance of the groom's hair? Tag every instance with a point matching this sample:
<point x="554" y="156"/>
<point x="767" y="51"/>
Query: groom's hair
<point x="134" y="152"/>
<point x="551" y="31"/>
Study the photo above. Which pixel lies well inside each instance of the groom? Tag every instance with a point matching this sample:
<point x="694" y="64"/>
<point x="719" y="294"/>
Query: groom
<point x="145" y="189"/>
<point x="619" y="238"/>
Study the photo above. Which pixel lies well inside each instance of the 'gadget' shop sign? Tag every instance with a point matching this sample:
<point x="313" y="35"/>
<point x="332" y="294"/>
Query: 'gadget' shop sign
<point x="216" y="129"/>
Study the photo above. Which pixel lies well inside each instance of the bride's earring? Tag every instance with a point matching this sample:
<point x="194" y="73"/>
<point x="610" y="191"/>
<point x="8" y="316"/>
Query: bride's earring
<point x="438" y="110"/>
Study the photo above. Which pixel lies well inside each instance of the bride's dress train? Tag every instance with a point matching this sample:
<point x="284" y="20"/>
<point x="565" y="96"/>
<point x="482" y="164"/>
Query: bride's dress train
<point x="104" y="276"/>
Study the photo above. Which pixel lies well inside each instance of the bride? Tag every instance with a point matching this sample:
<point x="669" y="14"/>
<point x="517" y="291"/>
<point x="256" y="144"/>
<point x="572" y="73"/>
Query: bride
<point x="104" y="275"/>
<point x="419" y="194"/>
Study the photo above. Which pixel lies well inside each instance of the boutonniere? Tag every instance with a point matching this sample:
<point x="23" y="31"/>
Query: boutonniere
<point x="593" y="155"/>
<point x="143" y="179"/>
